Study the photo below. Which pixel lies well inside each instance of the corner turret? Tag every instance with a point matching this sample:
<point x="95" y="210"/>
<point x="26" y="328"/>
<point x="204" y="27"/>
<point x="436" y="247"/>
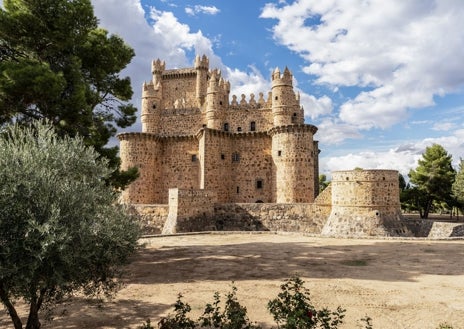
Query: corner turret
<point x="202" y="67"/>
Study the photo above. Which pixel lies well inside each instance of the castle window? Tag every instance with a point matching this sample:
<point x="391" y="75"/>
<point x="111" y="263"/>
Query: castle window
<point x="259" y="183"/>
<point x="276" y="98"/>
<point x="238" y="190"/>
<point x="226" y="126"/>
<point x="239" y="129"/>
<point x="235" y="157"/>
<point x="294" y="118"/>
<point x="252" y="126"/>
<point x="220" y="102"/>
<point x="279" y="153"/>
<point x="223" y="156"/>
<point x="194" y="157"/>
<point x="154" y="106"/>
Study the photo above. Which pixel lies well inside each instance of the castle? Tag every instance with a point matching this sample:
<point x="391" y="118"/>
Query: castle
<point x="193" y="137"/>
<point x="210" y="163"/>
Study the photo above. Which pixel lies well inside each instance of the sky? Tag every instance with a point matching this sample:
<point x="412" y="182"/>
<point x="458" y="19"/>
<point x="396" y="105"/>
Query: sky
<point x="381" y="80"/>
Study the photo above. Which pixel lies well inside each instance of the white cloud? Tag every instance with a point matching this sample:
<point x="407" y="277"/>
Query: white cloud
<point x="334" y="132"/>
<point x="315" y="107"/>
<point x="402" y="157"/>
<point x="444" y="126"/>
<point x="197" y="9"/>
<point x="402" y="52"/>
<point x="247" y="82"/>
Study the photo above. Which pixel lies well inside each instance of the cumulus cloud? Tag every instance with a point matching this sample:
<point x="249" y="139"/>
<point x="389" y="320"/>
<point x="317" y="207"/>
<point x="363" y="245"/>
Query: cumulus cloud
<point x="197" y="9"/>
<point x="333" y="132"/>
<point x="402" y="157"/>
<point x="403" y="53"/>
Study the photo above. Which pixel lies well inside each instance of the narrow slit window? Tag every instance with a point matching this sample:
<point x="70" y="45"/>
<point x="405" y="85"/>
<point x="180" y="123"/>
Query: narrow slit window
<point x="252" y="126"/>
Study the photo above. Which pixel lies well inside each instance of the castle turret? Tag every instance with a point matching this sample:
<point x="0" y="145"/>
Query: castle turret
<point x="152" y="98"/>
<point x="285" y="104"/>
<point x="201" y="66"/>
<point x="365" y="203"/>
<point x="213" y="119"/>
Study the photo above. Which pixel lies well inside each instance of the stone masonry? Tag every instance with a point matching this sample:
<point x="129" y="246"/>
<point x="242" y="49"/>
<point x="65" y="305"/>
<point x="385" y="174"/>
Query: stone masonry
<point x="208" y="162"/>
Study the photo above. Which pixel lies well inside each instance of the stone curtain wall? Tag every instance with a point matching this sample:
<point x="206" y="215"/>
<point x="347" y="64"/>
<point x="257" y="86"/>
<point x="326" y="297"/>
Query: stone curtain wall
<point x="298" y="217"/>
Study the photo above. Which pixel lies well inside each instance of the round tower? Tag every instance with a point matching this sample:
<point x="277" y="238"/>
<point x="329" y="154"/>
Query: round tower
<point x="152" y="99"/>
<point x="294" y="155"/>
<point x="201" y="66"/>
<point x="213" y="120"/>
<point x="285" y="105"/>
<point x="365" y="203"/>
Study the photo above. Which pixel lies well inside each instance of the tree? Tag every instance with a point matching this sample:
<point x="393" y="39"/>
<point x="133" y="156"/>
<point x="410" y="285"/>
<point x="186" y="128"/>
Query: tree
<point x="56" y="64"/>
<point x="61" y="229"/>
<point x="458" y="186"/>
<point x="323" y="183"/>
<point x="433" y="177"/>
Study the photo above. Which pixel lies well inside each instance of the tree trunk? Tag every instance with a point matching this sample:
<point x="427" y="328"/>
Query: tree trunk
<point x="427" y="208"/>
<point x="10" y="308"/>
<point x="33" y="319"/>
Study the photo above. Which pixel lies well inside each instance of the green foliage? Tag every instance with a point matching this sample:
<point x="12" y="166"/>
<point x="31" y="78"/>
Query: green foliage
<point x="61" y="229"/>
<point x="179" y="320"/>
<point x="323" y="183"/>
<point x="292" y="309"/>
<point x="458" y="185"/>
<point x="56" y="64"/>
<point x="433" y="177"/>
<point x="234" y="315"/>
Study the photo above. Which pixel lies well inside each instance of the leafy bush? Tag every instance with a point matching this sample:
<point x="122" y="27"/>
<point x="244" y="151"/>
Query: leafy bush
<point x="292" y="309"/>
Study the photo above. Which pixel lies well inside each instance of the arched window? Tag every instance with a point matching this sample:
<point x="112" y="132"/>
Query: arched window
<point x="226" y="126"/>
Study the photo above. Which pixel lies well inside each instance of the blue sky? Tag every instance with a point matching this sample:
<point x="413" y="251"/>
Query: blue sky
<point x="381" y="79"/>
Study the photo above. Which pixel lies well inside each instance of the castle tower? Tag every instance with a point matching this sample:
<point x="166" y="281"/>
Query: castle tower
<point x="285" y="104"/>
<point x="140" y="150"/>
<point x="365" y="203"/>
<point x="152" y="99"/>
<point x="294" y="155"/>
<point x="213" y="119"/>
<point x="201" y="66"/>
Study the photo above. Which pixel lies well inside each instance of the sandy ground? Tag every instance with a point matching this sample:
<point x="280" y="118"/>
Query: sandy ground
<point x="398" y="283"/>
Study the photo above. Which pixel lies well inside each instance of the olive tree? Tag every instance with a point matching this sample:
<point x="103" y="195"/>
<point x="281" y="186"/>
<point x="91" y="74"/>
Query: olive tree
<point x="61" y="229"/>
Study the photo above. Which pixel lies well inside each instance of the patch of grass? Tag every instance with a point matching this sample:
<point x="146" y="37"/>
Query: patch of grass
<point x="355" y="262"/>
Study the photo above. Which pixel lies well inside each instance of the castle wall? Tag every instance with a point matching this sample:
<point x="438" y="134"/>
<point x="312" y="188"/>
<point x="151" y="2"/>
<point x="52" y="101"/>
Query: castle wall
<point x="181" y="121"/>
<point x="252" y="173"/>
<point x="179" y="89"/>
<point x="241" y="117"/>
<point x="215" y="161"/>
<point x="179" y="166"/>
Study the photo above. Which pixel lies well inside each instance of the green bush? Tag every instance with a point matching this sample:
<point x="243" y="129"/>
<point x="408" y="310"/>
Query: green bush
<point x="291" y="309"/>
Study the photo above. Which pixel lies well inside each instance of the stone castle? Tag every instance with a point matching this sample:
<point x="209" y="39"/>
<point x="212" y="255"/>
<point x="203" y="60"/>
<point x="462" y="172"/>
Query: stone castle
<point x="210" y="163"/>
<point x="193" y="137"/>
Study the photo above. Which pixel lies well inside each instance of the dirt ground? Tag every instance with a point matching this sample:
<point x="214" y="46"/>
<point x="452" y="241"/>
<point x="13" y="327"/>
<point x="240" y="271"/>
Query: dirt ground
<point x="398" y="283"/>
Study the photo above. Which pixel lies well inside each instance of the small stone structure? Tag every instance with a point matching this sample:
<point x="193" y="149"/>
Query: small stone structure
<point x="210" y="163"/>
<point x="365" y="203"/>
